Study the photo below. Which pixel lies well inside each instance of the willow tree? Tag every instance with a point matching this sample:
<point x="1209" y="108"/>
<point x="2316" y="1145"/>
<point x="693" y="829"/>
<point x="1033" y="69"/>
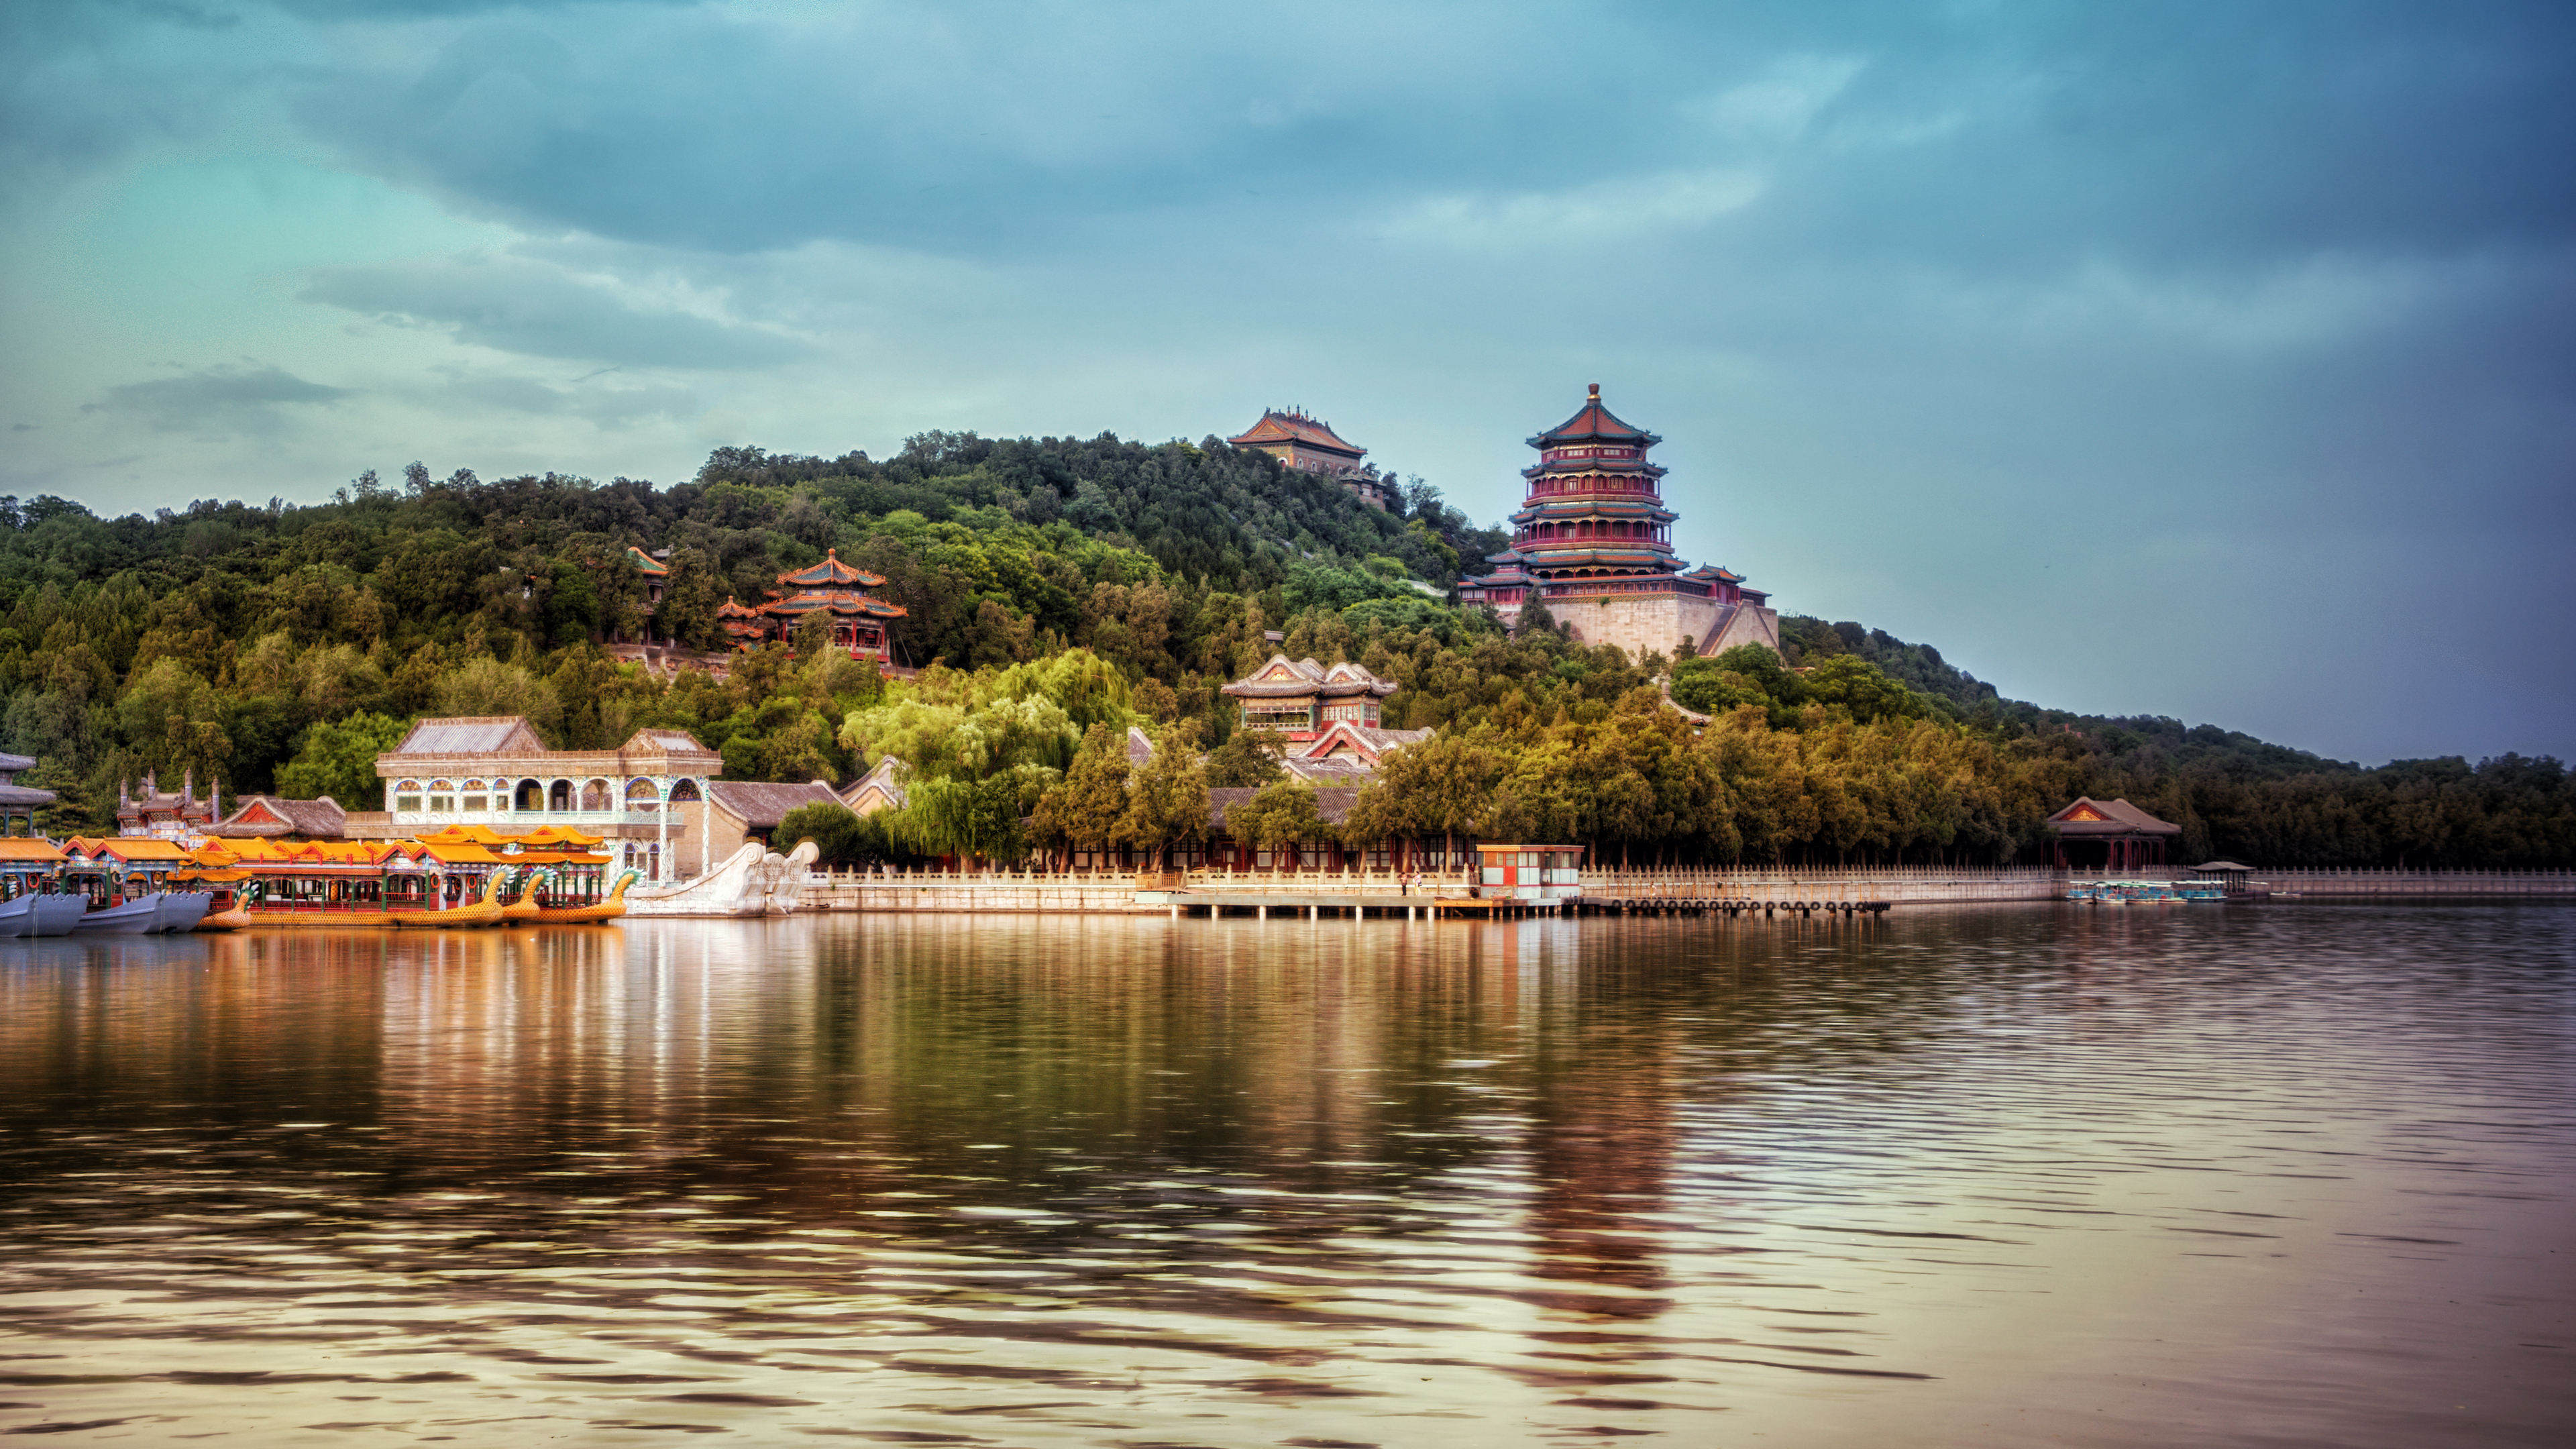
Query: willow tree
<point x="976" y="819"/>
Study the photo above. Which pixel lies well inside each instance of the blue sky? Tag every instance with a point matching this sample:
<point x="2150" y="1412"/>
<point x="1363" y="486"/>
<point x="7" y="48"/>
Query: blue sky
<point x="2208" y="360"/>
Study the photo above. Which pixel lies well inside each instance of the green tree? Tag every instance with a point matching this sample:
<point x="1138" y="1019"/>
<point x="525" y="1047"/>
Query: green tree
<point x="486" y="686"/>
<point x="976" y="819"/>
<point x="687" y="613"/>
<point x="338" y="759"/>
<point x="1441" y="787"/>
<point x="1088" y="809"/>
<point x="838" y="836"/>
<point x="1248" y="760"/>
<point x="1167" y="798"/>
<point x="1862" y="689"/>
<point x="813" y="636"/>
<point x="1280" y="816"/>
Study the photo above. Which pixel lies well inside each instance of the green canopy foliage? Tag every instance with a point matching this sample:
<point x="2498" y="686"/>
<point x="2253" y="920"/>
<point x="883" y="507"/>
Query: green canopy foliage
<point x="1056" y="589"/>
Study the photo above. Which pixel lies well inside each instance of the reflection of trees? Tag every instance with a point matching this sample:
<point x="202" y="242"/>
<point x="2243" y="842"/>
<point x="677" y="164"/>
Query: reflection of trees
<point x="98" y="1034"/>
<point x="1602" y="1138"/>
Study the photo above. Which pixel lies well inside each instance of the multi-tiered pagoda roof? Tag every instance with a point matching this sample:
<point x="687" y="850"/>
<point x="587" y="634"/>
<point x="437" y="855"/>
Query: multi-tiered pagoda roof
<point x="836" y="590"/>
<point x="1593" y="518"/>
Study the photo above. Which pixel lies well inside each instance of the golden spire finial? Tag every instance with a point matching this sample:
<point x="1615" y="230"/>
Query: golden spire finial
<point x="1596" y="392"/>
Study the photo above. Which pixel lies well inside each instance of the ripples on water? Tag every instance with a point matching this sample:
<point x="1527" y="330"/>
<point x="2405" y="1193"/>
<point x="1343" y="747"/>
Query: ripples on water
<point x="2199" y="1175"/>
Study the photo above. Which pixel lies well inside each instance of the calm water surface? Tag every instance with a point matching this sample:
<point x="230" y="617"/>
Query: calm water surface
<point x="2201" y="1175"/>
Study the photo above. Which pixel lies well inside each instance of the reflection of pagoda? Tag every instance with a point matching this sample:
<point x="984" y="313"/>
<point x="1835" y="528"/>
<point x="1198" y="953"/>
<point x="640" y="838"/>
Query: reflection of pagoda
<point x="1594" y="540"/>
<point x="831" y="588"/>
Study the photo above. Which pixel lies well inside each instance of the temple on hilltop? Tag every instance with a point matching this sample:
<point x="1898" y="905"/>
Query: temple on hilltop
<point x="1594" y="541"/>
<point x="831" y="588"/>
<point x="1310" y="445"/>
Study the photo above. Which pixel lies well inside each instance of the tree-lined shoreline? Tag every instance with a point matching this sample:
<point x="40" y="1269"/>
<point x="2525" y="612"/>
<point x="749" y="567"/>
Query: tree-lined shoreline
<point x="1062" y="588"/>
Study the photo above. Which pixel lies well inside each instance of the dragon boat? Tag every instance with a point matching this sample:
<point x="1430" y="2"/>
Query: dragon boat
<point x="522" y="908"/>
<point x="483" y="912"/>
<point x="602" y="910"/>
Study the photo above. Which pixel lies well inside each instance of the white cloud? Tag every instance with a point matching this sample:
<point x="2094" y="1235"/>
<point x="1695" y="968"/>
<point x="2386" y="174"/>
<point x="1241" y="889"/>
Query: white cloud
<point x="1601" y="213"/>
<point x="1781" y="105"/>
<point x="515" y="303"/>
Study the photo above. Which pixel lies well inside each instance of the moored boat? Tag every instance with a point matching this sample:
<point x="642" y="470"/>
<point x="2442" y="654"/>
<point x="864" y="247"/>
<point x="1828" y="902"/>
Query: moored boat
<point x="522" y="907"/>
<point x="483" y="912"/>
<point x="30" y="876"/>
<point x="140" y="916"/>
<point x="57" y="914"/>
<point x="178" y="911"/>
<point x="606" y="910"/>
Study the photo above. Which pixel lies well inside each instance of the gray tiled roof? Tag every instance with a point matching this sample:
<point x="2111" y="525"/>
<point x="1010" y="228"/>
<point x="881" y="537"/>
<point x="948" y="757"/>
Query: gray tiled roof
<point x="761" y="806"/>
<point x="1333" y="802"/>
<point x="491" y="734"/>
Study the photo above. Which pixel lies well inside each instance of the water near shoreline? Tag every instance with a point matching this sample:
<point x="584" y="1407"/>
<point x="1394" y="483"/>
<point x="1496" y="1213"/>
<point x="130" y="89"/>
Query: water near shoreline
<point x="2219" y="1175"/>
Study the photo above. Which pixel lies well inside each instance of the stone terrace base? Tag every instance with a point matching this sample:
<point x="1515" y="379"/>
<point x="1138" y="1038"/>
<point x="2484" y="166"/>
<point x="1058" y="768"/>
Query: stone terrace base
<point x="1652" y="623"/>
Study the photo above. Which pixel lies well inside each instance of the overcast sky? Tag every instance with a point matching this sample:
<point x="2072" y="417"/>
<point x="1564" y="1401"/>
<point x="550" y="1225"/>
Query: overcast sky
<point x="2215" y="361"/>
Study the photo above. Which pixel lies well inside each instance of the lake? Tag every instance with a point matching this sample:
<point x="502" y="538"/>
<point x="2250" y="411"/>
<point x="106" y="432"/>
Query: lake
<point x="2246" y="1175"/>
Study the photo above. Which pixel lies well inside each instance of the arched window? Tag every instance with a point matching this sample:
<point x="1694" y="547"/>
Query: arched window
<point x="594" y="795"/>
<point x="406" y="794"/>
<point x="643" y="794"/>
<point x="559" y="795"/>
<point x="532" y="795"/>
<point x="442" y="796"/>
<point x="684" y="792"/>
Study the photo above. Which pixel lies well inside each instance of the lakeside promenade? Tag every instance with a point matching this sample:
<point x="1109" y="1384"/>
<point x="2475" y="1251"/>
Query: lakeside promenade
<point x="1128" y="893"/>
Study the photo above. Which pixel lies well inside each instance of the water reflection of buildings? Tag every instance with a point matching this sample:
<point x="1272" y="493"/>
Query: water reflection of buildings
<point x="559" y="1042"/>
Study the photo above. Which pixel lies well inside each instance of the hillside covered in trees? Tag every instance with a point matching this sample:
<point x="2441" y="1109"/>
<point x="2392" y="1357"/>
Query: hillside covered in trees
<point x="1056" y="585"/>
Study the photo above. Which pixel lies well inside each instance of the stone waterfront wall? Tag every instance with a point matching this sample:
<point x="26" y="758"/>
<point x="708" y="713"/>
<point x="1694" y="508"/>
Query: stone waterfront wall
<point x="1115" y="892"/>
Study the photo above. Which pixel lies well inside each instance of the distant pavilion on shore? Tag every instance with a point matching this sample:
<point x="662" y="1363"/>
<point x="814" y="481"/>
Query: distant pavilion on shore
<point x="2129" y="836"/>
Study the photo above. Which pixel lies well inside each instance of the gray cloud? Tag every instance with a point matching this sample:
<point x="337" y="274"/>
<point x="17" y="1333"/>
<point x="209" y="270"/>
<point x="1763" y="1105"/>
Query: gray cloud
<point x="244" y="397"/>
<point x="515" y="304"/>
<point x="604" y="404"/>
<point x="1980" y="136"/>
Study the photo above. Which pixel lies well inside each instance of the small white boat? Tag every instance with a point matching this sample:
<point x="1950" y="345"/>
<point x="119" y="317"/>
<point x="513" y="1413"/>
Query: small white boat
<point x="140" y="916"/>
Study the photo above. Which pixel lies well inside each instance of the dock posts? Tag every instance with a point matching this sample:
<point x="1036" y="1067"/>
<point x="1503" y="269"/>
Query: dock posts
<point x="1314" y="913"/>
<point x="1261" y="913"/>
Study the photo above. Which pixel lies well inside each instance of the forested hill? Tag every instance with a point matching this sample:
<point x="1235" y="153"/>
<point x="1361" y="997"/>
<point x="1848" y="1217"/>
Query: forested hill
<point x="2145" y="743"/>
<point x="280" y="647"/>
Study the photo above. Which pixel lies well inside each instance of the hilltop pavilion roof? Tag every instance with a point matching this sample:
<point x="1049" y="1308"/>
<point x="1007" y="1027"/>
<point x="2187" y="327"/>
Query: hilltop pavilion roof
<point x="1285" y="678"/>
<point x="1593" y="421"/>
<point x="831" y="573"/>
<point x="839" y="601"/>
<point x="1278" y="427"/>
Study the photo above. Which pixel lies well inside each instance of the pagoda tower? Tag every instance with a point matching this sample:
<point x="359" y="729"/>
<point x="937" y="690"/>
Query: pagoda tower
<point x="1594" y="539"/>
